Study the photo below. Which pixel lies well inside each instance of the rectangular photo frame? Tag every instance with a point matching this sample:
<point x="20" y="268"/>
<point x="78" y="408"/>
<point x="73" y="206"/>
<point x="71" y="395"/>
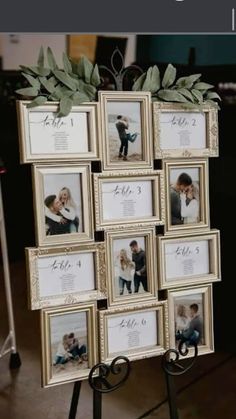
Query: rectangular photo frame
<point x="131" y="271"/>
<point x="44" y="137"/>
<point x="126" y="130"/>
<point x="191" y="315"/>
<point x="185" y="132"/>
<point x="69" y="343"/>
<point x="63" y="203"/>
<point x="65" y="275"/>
<point x="187" y="195"/>
<point x="134" y="331"/>
<point x="189" y="259"/>
<point x="127" y="199"/>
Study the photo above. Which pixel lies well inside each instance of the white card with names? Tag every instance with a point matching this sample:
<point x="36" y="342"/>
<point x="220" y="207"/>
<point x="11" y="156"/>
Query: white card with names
<point x="182" y="130"/>
<point x="187" y="259"/>
<point x="132" y="331"/>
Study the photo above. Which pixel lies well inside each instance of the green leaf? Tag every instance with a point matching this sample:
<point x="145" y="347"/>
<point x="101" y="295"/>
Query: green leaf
<point x="40" y="71"/>
<point x="155" y="79"/>
<point x="186" y="93"/>
<point x="40" y="100"/>
<point x="67" y="63"/>
<point x="65" y="106"/>
<point x="61" y="91"/>
<point x="47" y="84"/>
<point x="137" y="86"/>
<point x="171" y="96"/>
<point x="51" y="60"/>
<point x="41" y="57"/>
<point x="147" y="82"/>
<point x="90" y="91"/>
<point x="85" y="68"/>
<point x="26" y="70"/>
<point x="213" y="95"/>
<point x="80" y="97"/>
<point x="197" y="95"/>
<point x="169" y="76"/>
<point x="188" y="81"/>
<point x="203" y="86"/>
<point x="32" y="80"/>
<point x="65" y="79"/>
<point x="95" y="77"/>
<point x="28" y="91"/>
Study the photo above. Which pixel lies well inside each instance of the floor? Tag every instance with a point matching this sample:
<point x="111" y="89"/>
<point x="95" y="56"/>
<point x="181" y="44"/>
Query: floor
<point x="207" y="391"/>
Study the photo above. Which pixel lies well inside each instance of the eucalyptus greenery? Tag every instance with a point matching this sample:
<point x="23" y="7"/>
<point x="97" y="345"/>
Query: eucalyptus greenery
<point x="188" y="90"/>
<point x="75" y="84"/>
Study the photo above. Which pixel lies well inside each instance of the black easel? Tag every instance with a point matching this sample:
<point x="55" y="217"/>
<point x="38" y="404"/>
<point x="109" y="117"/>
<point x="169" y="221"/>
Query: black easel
<point x="98" y="381"/>
<point x="172" y="367"/>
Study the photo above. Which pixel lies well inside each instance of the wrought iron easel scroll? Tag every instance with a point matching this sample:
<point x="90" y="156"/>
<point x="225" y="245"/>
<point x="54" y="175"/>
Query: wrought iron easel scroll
<point x="172" y="367"/>
<point x="99" y="380"/>
<point x="119" y="72"/>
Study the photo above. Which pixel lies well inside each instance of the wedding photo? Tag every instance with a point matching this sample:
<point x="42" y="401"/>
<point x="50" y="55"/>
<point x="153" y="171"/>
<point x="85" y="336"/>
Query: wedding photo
<point x="124" y="131"/>
<point x="63" y="200"/>
<point x="187" y="196"/>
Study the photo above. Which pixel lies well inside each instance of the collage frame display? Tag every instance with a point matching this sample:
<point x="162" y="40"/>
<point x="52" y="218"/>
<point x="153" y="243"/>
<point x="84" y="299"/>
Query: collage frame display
<point x="119" y="221"/>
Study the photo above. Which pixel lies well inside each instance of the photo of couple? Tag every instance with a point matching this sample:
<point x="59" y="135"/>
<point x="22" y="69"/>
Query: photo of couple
<point x="130" y="271"/>
<point x="62" y="211"/>
<point x="69" y="349"/>
<point x="124" y="131"/>
<point x="184" y="196"/>
<point x="189" y="320"/>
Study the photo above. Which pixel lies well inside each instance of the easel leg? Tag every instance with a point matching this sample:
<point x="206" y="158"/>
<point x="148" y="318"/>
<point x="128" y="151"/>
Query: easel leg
<point x="75" y="400"/>
<point x="97" y="402"/>
<point x="171" y="397"/>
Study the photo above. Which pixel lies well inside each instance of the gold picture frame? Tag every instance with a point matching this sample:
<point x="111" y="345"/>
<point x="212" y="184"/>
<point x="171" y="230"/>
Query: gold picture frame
<point x="131" y="269"/>
<point x="126" y="130"/>
<point x="65" y="275"/>
<point x="75" y="220"/>
<point x="44" y="137"/>
<point x="185" y="132"/>
<point x="180" y="300"/>
<point x="127" y="199"/>
<point x="189" y="259"/>
<point x="187" y="195"/>
<point x="134" y="331"/>
<point x="69" y="343"/>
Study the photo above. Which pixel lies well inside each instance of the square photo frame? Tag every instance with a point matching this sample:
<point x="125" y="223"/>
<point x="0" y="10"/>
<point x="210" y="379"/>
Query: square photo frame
<point x="43" y="136"/>
<point x="125" y="199"/>
<point x="65" y="275"/>
<point x="134" y="331"/>
<point x="131" y="271"/>
<point x="63" y="203"/>
<point x="191" y="314"/>
<point x="185" y="132"/>
<point x="126" y="130"/>
<point x="69" y="343"/>
<point x="189" y="259"/>
<point x="187" y="195"/>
